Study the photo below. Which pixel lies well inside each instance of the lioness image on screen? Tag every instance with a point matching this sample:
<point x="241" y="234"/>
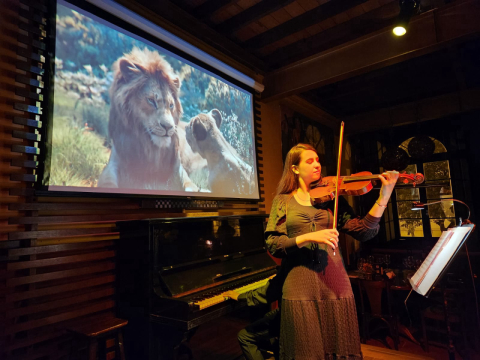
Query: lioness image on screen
<point x="226" y="170"/>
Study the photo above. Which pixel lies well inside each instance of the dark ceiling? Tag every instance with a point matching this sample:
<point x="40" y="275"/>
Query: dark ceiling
<point x="268" y="35"/>
<point x="443" y="72"/>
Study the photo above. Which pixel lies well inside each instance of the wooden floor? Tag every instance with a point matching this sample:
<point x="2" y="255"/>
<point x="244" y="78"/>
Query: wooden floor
<point x="371" y="352"/>
<point x="217" y="340"/>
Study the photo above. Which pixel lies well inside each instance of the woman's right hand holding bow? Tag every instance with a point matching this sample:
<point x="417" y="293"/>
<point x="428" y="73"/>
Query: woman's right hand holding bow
<point x="327" y="236"/>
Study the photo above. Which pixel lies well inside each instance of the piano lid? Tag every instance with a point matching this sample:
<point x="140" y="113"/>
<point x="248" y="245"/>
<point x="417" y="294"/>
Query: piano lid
<point x="203" y="239"/>
<point x="204" y="252"/>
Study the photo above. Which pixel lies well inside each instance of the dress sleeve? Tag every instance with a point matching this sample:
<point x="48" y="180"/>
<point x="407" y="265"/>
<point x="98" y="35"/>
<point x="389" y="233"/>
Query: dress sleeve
<point x="361" y="229"/>
<point x="278" y="242"/>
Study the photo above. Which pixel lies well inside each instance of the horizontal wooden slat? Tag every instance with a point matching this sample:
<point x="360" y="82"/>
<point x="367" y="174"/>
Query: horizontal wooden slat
<point x="100" y="280"/>
<point x="28" y="108"/>
<point x="59" y="274"/>
<point x="25" y="149"/>
<point x="31" y="164"/>
<point x="36" y="6"/>
<point x="60" y="317"/>
<point x="77" y="239"/>
<point x="56" y="248"/>
<point x="28" y="122"/>
<point x="19" y="235"/>
<point x="31" y="54"/>
<point x="23" y="177"/>
<point x="60" y="260"/>
<point x="22" y="192"/>
<point x="90" y="219"/>
<point x="9" y="245"/>
<point x="27" y="40"/>
<point x="51" y="351"/>
<point x="36" y="70"/>
<point x="29" y="94"/>
<point x="32" y="81"/>
<point x="20" y="343"/>
<point x="38" y="308"/>
<point x="32" y="29"/>
<point x="32" y="17"/>
<point x="72" y="206"/>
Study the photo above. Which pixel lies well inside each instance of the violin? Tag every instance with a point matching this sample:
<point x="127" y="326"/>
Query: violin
<point x="356" y="184"/>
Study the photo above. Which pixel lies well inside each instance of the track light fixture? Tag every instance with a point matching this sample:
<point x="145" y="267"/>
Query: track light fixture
<point x="408" y="8"/>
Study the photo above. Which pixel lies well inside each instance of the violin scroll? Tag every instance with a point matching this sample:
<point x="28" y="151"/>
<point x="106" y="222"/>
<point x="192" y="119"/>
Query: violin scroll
<point x="413" y="179"/>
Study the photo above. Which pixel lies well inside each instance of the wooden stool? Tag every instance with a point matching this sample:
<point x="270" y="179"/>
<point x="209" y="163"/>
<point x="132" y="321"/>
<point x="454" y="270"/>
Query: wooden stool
<point x="94" y="330"/>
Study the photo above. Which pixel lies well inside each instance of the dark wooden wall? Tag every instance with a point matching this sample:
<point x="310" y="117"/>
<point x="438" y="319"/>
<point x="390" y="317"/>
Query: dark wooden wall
<point x="57" y="258"/>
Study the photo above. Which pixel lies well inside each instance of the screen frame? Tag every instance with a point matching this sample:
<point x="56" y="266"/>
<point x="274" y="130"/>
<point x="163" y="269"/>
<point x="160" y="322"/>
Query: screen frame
<point x="46" y="130"/>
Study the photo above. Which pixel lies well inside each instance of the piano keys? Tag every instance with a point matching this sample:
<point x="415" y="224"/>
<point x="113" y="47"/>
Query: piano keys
<point x="171" y="274"/>
<point x="205" y="302"/>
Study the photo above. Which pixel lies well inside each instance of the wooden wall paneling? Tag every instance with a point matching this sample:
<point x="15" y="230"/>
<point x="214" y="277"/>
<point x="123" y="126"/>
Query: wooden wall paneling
<point x="259" y="147"/>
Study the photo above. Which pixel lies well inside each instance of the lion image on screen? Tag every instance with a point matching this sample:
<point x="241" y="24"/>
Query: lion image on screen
<point x="144" y="115"/>
<point x="228" y="174"/>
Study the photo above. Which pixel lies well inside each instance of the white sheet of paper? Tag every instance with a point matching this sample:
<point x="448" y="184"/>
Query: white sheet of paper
<point x="437" y="259"/>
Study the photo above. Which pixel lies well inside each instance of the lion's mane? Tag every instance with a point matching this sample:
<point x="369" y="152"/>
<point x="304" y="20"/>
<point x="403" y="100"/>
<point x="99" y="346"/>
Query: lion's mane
<point x="141" y="157"/>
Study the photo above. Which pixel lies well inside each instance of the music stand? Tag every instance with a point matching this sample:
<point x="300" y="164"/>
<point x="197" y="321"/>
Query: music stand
<point x="436" y="265"/>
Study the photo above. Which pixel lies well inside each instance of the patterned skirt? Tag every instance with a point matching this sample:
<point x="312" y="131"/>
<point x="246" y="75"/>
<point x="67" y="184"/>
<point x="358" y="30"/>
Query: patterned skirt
<point x="317" y="330"/>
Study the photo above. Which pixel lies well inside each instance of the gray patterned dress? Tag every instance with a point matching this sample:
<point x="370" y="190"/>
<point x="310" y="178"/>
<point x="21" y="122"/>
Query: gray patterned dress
<point x="318" y="314"/>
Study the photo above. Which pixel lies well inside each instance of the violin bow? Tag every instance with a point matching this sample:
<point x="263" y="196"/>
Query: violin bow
<point x="339" y="165"/>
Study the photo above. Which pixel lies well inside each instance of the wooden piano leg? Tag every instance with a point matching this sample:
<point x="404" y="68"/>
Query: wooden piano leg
<point x="92" y="349"/>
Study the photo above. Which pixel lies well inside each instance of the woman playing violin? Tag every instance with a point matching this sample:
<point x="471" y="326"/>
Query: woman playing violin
<point x="318" y="315"/>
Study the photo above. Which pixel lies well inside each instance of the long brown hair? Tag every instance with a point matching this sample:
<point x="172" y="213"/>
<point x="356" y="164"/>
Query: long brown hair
<point x="289" y="181"/>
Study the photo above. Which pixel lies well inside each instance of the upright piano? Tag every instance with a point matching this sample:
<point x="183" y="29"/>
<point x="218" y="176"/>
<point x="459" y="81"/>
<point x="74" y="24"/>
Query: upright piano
<point x="172" y="273"/>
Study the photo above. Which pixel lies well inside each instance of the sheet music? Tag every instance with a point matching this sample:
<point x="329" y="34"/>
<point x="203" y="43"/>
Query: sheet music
<point x="437" y="259"/>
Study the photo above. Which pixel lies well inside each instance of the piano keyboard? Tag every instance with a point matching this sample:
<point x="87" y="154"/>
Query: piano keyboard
<point x="217" y="299"/>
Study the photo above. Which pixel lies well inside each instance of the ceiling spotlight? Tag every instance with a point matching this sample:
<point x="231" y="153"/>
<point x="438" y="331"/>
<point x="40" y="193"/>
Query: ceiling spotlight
<point x="408" y="8"/>
<point x="399" y="30"/>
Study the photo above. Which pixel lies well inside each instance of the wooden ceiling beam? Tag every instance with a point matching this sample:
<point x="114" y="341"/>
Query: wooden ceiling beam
<point x="433" y="30"/>
<point x="313" y="112"/>
<point x="206" y="9"/>
<point x="359" y="26"/>
<point x="250" y="15"/>
<point x="427" y="109"/>
<point x="301" y="22"/>
<point x="180" y="23"/>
